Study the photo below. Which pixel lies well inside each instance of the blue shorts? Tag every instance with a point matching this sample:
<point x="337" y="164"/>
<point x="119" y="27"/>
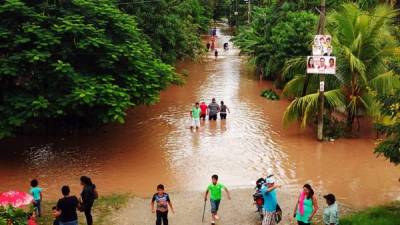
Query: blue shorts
<point x="214" y="205"/>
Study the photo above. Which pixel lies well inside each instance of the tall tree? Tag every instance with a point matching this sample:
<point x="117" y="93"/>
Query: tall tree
<point x="172" y="28"/>
<point x="78" y="62"/>
<point x="363" y="43"/>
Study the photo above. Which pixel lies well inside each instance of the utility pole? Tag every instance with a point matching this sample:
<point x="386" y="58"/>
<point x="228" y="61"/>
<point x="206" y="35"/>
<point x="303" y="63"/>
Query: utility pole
<point x="237" y="14"/>
<point x="321" y="98"/>
<point x="249" y="12"/>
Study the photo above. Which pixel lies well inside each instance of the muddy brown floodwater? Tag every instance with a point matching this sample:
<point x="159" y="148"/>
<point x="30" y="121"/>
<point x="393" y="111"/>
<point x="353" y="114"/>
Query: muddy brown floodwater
<point x="155" y="145"/>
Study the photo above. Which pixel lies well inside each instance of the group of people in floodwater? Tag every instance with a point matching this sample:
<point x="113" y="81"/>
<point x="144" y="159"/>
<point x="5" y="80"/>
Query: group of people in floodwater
<point x="211" y="44"/>
<point x="65" y="212"/>
<point x="201" y="111"/>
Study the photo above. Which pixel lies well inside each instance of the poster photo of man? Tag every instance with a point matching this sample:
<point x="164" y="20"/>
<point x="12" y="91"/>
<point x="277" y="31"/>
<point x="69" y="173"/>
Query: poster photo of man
<point x="321" y="65"/>
<point x="322" y="45"/>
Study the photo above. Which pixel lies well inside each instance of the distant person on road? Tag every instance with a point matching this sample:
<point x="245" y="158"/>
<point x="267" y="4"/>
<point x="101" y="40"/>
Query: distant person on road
<point x="331" y="213"/>
<point x="88" y="196"/>
<point x="36" y="193"/>
<point x="162" y="200"/>
<point x="203" y="108"/>
<point x="195" y="115"/>
<point x="270" y="201"/>
<point x="216" y="54"/>
<point x="226" y="46"/>
<point x="214" y="31"/>
<point x="213" y="110"/>
<point x="306" y="206"/>
<point x="66" y="207"/>
<point x="215" y="190"/>
<point x="224" y="110"/>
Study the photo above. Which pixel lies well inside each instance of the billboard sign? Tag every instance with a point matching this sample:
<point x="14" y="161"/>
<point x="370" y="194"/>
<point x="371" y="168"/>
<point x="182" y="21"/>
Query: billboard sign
<point x="321" y="64"/>
<point x="322" y="45"/>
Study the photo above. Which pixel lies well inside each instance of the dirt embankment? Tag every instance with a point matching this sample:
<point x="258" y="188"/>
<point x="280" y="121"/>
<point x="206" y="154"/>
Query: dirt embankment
<point x="189" y="207"/>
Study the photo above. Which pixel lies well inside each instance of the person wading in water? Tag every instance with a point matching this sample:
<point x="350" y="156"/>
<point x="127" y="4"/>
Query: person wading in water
<point x="213" y="110"/>
<point x="224" y="110"/>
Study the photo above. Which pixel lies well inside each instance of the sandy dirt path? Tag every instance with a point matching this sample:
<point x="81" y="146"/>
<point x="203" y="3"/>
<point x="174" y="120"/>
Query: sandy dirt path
<point x="189" y="206"/>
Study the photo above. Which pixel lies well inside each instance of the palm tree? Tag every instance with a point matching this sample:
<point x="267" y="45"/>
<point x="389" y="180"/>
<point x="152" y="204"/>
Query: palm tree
<point x="362" y="43"/>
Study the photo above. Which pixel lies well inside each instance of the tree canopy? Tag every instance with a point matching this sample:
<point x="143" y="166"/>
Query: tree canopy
<point x="172" y="28"/>
<point x="81" y="60"/>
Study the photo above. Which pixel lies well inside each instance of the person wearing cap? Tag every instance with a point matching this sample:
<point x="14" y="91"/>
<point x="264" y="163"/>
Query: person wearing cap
<point x="331" y="213"/>
<point x="270" y="201"/>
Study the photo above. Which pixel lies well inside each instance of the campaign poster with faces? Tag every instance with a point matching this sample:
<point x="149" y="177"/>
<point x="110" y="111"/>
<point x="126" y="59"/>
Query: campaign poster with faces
<point x="321" y="64"/>
<point x="322" y="45"/>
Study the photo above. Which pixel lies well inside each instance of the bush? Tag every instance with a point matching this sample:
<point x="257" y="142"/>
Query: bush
<point x="270" y="94"/>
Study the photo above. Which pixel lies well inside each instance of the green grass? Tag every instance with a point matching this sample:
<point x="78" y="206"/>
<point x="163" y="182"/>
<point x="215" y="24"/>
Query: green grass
<point x="102" y="209"/>
<point x="380" y="215"/>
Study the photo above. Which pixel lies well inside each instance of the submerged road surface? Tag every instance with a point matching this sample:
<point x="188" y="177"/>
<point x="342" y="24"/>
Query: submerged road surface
<point x="155" y="145"/>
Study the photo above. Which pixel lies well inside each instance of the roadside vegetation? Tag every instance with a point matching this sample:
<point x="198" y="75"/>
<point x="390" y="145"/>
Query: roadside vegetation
<point x="68" y="66"/>
<point x="366" y="45"/>
<point x="380" y="215"/>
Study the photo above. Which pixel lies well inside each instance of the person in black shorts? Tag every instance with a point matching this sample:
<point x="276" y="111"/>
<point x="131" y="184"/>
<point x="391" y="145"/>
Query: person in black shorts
<point x="224" y="111"/>
<point x="213" y="110"/>
<point x="162" y="200"/>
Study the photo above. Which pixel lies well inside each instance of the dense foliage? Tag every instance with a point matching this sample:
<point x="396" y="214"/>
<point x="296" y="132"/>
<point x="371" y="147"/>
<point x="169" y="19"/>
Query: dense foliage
<point x="363" y="43"/>
<point x="277" y="33"/>
<point x="389" y="124"/>
<point x="73" y="63"/>
<point x="14" y="216"/>
<point x="172" y="28"/>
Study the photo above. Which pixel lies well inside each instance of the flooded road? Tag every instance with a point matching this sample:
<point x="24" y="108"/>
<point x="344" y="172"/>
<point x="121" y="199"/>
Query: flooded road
<point x="155" y="145"/>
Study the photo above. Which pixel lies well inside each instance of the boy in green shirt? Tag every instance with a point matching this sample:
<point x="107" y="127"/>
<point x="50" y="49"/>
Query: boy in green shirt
<point x="215" y="190"/>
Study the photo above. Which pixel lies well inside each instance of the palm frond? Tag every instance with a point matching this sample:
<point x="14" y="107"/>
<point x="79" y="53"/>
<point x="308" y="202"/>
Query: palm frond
<point x="294" y="87"/>
<point x="305" y="108"/>
<point x="385" y="83"/>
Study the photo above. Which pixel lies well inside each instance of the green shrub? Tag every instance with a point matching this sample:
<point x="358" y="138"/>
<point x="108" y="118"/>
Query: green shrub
<point x="270" y="94"/>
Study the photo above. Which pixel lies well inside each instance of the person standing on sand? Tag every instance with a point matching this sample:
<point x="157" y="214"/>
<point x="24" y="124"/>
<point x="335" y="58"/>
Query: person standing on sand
<point x="66" y="208"/>
<point x="215" y="190"/>
<point x="270" y="201"/>
<point x="36" y="193"/>
<point x="216" y="54"/>
<point x="162" y="199"/>
<point x="195" y="115"/>
<point x="203" y="108"/>
<point x="213" y="110"/>
<point x="331" y="213"/>
<point x="306" y="206"/>
<point x="88" y="195"/>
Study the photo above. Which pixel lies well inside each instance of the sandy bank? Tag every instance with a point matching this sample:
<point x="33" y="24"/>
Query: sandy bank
<point x="189" y="205"/>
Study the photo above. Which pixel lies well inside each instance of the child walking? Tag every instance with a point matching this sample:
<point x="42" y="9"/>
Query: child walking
<point x="162" y="199"/>
<point x="36" y="193"/>
<point x="215" y="190"/>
